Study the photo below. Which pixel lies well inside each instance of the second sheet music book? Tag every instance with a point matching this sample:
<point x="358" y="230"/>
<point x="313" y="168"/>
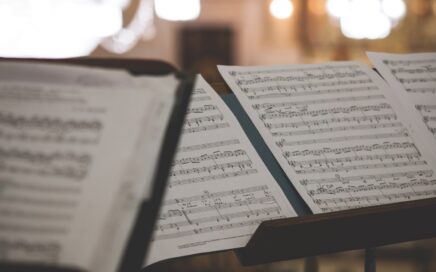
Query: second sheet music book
<point x="84" y="158"/>
<point x="341" y="137"/>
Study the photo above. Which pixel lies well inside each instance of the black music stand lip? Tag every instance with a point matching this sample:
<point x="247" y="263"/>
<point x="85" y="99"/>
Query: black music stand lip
<point x="134" y="255"/>
<point x="312" y="235"/>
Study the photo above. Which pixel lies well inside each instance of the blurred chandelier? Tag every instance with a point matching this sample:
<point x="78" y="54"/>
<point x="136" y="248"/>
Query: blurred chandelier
<point x="366" y="19"/>
<point x="71" y="28"/>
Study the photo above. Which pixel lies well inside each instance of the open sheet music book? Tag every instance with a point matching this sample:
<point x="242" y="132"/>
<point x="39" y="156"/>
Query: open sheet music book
<point x="79" y="150"/>
<point x="344" y="137"/>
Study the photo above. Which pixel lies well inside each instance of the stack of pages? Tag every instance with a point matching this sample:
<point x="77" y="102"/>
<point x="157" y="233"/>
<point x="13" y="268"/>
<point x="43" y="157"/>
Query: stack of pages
<point x="344" y="136"/>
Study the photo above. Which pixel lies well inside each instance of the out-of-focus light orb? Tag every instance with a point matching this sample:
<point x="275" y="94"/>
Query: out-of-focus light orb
<point x="55" y="29"/>
<point x="357" y="26"/>
<point x="281" y="9"/>
<point x="395" y="9"/>
<point x="366" y="19"/>
<point x="177" y="10"/>
<point x="140" y="27"/>
<point x="337" y="8"/>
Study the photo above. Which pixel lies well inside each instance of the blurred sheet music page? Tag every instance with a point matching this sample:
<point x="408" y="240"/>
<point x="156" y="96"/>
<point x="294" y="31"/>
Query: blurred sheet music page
<point x="413" y="78"/>
<point x="70" y="142"/>
<point x="338" y="132"/>
<point x="219" y="189"/>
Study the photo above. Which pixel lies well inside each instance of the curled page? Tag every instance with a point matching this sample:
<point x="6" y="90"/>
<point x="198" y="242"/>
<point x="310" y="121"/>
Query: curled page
<point x="339" y="134"/>
<point x="219" y="189"/>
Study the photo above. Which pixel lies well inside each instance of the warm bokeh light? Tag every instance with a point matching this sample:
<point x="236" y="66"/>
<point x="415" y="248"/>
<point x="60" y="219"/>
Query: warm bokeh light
<point x="366" y="19"/>
<point x="141" y="27"/>
<point x="281" y="9"/>
<point x="56" y="29"/>
<point x="395" y="9"/>
<point x="337" y="8"/>
<point x="178" y="10"/>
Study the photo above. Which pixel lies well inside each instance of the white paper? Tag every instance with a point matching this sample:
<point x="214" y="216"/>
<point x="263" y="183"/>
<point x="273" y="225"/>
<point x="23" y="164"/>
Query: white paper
<point x="142" y="168"/>
<point x="412" y="78"/>
<point x="67" y="153"/>
<point x="219" y="189"/>
<point x="338" y="133"/>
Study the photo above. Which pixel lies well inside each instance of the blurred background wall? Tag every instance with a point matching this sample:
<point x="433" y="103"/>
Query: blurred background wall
<point x="246" y="32"/>
<point x="309" y="34"/>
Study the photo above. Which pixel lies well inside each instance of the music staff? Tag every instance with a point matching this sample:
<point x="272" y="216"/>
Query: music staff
<point x="217" y="167"/>
<point x="339" y="128"/>
<point x="214" y="211"/>
<point x="307" y="71"/>
<point x="48" y="138"/>
<point x="274" y="114"/>
<point x="333" y="204"/>
<point x="225" y="175"/>
<point x="288" y="105"/>
<point x="202" y="109"/>
<point x="301" y="90"/>
<point x="214" y="156"/>
<point x="370" y="177"/>
<point x="207" y="194"/>
<point x="302" y="78"/>
<point x="329" y="121"/>
<point x="49" y="129"/>
<point x="215" y="228"/>
<point x="410" y="62"/>
<point x="401" y="134"/>
<point x="227" y="217"/>
<point x="330" y="190"/>
<point x="48" y="124"/>
<point x="52" y="189"/>
<point x="45" y="251"/>
<point x="385" y="146"/>
<point x="68" y="165"/>
<point x="205" y="128"/>
<point x="426" y="90"/>
<point x="190" y="148"/>
<point x="325" y="162"/>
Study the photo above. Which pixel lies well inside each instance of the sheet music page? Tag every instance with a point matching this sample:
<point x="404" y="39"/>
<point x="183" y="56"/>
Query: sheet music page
<point x="219" y="189"/>
<point x="412" y="78"/>
<point x="64" y="156"/>
<point x="343" y="140"/>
